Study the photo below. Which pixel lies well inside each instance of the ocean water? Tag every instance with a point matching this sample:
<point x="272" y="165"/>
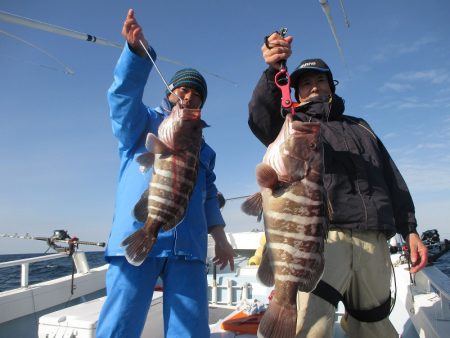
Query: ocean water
<point x="443" y="263"/>
<point x="42" y="271"/>
<point x="47" y="270"/>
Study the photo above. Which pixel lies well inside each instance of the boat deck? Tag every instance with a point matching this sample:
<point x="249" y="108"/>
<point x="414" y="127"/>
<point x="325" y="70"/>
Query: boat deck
<point x="81" y="320"/>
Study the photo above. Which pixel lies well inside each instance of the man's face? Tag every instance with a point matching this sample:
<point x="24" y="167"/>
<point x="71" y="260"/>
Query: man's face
<point x="191" y="98"/>
<point x="312" y="85"/>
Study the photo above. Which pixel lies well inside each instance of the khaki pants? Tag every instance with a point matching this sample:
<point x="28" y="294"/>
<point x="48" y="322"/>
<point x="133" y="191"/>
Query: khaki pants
<point x="357" y="264"/>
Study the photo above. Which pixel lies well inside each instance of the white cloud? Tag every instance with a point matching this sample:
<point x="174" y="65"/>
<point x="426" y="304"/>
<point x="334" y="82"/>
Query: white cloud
<point x="389" y="136"/>
<point x="432" y="146"/>
<point x="388" y="50"/>
<point x="425" y="177"/>
<point x="444" y="91"/>
<point x="435" y="76"/>
<point x="416" y="45"/>
<point x="396" y="87"/>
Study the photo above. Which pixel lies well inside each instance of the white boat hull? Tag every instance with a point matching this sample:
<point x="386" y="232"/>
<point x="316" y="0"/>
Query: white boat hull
<point x="31" y="309"/>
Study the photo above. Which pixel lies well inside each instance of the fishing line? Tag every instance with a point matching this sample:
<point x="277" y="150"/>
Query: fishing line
<point x="36" y="319"/>
<point x="67" y="70"/>
<point x="347" y="22"/>
<point x="394" y="291"/>
<point x="237" y="198"/>
<point x="36" y="64"/>
<point x="157" y="69"/>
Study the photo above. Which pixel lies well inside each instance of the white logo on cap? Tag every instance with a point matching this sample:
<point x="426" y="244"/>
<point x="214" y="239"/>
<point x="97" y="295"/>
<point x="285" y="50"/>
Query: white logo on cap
<point x="308" y="64"/>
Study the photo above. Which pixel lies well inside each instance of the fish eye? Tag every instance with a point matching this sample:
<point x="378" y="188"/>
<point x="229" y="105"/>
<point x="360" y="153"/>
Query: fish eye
<point x="313" y="146"/>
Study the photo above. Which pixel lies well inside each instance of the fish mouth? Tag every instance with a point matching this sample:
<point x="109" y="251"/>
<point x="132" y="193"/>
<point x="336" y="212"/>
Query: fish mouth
<point x="189" y="113"/>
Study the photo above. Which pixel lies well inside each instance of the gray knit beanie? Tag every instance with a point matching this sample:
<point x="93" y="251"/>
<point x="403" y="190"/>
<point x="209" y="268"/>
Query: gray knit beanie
<point x="191" y="78"/>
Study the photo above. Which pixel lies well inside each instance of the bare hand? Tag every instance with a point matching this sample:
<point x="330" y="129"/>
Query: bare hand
<point x="132" y="32"/>
<point x="418" y="252"/>
<point x="278" y="49"/>
<point x="224" y="253"/>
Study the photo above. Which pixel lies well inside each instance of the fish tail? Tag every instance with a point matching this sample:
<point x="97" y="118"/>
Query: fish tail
<point x="278" y="321"/>
<point x="137" y="246"/>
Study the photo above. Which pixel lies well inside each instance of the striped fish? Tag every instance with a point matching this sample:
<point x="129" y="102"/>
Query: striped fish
<point x="174" y="155"/>
<point x="291" y="200"/>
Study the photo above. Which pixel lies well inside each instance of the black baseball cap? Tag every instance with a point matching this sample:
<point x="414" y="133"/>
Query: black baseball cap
<point x="311" y="65"/>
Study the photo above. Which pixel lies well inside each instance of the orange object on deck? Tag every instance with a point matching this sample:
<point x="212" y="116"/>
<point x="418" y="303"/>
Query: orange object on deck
<point x="243" y="323"/>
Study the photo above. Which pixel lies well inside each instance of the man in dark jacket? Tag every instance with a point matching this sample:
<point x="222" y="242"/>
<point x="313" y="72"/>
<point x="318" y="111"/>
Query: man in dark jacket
<point x="367" y="199"/>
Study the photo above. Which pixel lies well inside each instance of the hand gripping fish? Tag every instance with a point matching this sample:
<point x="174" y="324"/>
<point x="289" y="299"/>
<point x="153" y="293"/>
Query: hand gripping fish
<point x="174" y="155"/>
<point x="291" y="200"/>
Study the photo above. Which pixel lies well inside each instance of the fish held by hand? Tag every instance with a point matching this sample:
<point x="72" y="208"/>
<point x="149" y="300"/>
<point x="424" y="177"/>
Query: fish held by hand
<point x="292" y="202"/>
<point x="174" y="156"/>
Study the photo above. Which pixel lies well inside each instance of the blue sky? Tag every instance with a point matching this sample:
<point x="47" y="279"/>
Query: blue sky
<point x="59" y="160"/>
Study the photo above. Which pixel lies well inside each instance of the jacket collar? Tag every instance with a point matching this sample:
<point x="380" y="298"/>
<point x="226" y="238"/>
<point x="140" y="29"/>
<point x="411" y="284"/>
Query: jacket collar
<point x="166" y="106"/>
<point x="323" y="109"/>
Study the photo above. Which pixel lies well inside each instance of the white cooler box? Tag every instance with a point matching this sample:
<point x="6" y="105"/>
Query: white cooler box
<point x="80" y="321"/>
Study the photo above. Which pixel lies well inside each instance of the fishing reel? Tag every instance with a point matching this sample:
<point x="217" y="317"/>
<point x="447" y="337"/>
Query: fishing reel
<point x="62" y="236"/>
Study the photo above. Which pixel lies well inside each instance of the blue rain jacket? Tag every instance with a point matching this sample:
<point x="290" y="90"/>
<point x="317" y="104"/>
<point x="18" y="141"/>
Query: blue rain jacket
<point x="131" y="122"/>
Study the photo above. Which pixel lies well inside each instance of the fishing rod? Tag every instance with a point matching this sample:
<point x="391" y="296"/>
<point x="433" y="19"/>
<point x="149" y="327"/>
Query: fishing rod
<point x="27" y="22"/>
<point x="327" y="12"/>
<point x="59" y="236"/>
<point x="20" y="20"/>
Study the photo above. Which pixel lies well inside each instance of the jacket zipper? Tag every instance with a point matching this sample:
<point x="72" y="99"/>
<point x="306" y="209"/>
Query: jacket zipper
<point x="357" y="184"/>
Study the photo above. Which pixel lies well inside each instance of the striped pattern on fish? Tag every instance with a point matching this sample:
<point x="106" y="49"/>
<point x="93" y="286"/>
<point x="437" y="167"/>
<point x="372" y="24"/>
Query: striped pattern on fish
<point x="292" y="202"/>
<point x="174" y="155"/>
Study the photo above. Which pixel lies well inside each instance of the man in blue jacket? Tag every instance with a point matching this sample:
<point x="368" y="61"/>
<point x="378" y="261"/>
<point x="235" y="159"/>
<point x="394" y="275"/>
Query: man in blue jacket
<point x="179" y="255"/>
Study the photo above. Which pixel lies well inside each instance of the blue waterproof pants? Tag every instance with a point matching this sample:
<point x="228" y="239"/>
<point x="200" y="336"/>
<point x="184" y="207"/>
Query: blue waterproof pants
<point x="129" y="292"/>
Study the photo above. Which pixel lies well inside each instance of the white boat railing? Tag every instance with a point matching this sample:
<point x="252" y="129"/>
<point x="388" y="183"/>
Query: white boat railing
<point x="79" y="258"/>
<point x="433" y="280"/>
<point x="228" y="298"/>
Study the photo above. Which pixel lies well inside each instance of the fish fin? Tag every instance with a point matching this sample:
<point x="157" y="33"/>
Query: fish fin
<point x="146" y="161"/>
<point x="253" y="205"/>
<point x="266" y="176"/>
<point x="167" y="227"/>
<point x="140" y="211"/>
<point x="265" y="271"/>
<point x="260" y="215"/>
<point x="156" y="146"/>
<point x="204" y="124"/>
<point x="137" y="246"/>
<point x="150" y="142"/>
<point x="279" y="321"/>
